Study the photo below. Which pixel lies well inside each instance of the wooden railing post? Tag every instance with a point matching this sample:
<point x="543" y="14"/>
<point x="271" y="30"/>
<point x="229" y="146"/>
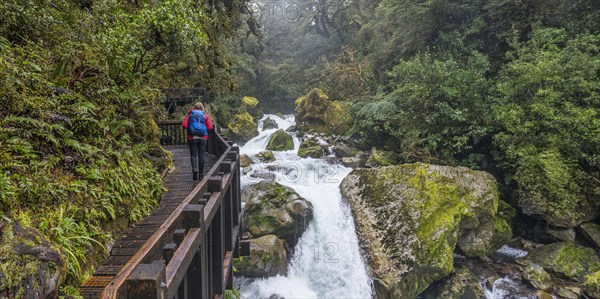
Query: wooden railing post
<point x="146" y="281"/>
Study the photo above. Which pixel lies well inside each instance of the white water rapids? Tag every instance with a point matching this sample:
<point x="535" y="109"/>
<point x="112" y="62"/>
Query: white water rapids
<point x="326" y="262"/>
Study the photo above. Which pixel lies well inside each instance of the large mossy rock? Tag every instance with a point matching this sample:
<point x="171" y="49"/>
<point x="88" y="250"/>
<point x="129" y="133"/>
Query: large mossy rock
<point x="310" y="148"/>
<point x="463" y="284"/>
<point x="272" y="208"/>
<point x="410" y="217"/>
<point x="267" y="257"/>
<point x="242" y="128"/>
<point x="245" y="161"/>
<point x="317" y="113"/>
<point x="566" y="260"/>
<point x="29" y="266"/>
<point x="266" y="156"/>
<point x="280" y="141"/>
<point x="538" y="277"/>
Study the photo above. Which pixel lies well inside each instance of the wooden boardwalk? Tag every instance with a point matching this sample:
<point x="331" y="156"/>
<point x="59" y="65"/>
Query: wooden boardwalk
<point x="179" y="185"/>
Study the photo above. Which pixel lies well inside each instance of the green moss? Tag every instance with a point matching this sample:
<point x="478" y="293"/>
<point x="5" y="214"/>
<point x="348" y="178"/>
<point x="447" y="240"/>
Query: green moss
<point x="591" y="284"/>
<point x="567" y="260"/>
<point x="318" y="113"/>
<point x="280" y="141"/>
<point x="310" y="148"/>
<point x="250" y="101"/>
<point x="242" y="128"/>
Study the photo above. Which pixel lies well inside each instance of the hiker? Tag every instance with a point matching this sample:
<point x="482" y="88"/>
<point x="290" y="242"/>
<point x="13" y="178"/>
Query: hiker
<point x="197" y="123"/>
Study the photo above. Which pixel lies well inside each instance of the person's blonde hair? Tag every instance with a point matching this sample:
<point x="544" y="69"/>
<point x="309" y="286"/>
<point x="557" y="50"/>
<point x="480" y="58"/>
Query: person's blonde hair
<point x="199" y="106"/>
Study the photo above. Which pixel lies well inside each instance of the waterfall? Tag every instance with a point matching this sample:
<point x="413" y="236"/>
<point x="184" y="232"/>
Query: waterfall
<point x="326" y="262"/>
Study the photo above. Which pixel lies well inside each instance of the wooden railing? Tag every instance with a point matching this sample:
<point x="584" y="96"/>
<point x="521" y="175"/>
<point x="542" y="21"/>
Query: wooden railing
<point x="191" y="254"/>
<point x="172" y="133"/>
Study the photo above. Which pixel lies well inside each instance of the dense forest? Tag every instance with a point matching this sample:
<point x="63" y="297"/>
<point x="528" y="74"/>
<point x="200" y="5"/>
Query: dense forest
<point x="511" y="87"/>
<point x="507" y="86"/>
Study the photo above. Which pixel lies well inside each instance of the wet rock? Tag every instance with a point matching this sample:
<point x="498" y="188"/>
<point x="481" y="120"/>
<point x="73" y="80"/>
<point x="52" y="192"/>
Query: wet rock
<point x="538" y="277"/>
<point x="245" y="161"/>
<point x="310" y="148"/>
<point x="566" y="260"/>
<point x="267" y="176"/>
<point x="269" y="123"/>
<point x="591" y="231"/>
<point x="409" y="218"/>
<point x="275" y="209"/>
<point x="344" y="151"/>
<point x="353" y="162"/>
<point x="280" y="141"/>
<point x="266" y="156"/>
<point x="291" y="129"/>
<point x="506" y="212"/>
<point x="486" y="238"/>
<point x="543" y="295"/>
<point x="242" y="128"/>
<point x="280" y="115"/>
<point x="567" y="293"/>
<point x="463" y="284"/>
<point x="562" y="234"/>
<point x="267" y="258"/>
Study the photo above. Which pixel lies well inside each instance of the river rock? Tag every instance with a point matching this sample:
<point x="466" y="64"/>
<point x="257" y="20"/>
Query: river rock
<point x="381" y="158"/>
<point x="242" y="128"/>
<point x="272" y="208"/>
<point x="269" y="123"/>
<point x="538" y="277"/>
<point x="543" y="295"/>
<point x="566" y="260"/>
<point x="353" y="162"/>
<point x="266" y="156"/>
<point x="29" y="265"/>
<point x="344" y="151"/>
<point x="280" y="141"/>
<point x="310" y="148"/>
<point x="569" y="215"/>
<point x="267" y="258"/>
<point x="568" y="293"/>
<point x="463" y="284"/>
<point x="245" y="161"/>
<point x="410" y="217"/>
<point x="486" y="238"/>
<point x="591" y="231"/>
<point x="267" y="176"/>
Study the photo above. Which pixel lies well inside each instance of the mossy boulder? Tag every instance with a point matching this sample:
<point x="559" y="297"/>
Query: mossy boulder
<point x="280" y="141"/>
<point x="242" y="128"/>
<point x="269" y="123"/>
<point x="251" y="106"/>
<point x="380" y="157"/>
<point x="317" y="113"/>
<point x="344" y="151"/>
<point x="353" y="162"/>
<point x="266" y="156"/>
<point x="486" y="238"/>
<point x="463" y="284"/>
<point x="538" y="277"/>
<point x="591" y="285"/>
<point x="29" y="266"/>
<point x="267" y="258"/>
<point x="409" y="219"/>
<point x="272" y="208"/>
<point x="566" y="260"/>
<point x="310" y="148"/>
<point x="245" y="161"/>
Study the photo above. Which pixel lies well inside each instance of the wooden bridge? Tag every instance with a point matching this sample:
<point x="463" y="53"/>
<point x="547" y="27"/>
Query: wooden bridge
<point x="185" y="249"/>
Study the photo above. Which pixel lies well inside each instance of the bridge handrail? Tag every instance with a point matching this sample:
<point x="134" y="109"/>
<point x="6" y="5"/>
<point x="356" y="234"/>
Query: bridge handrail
<point x="222" y="182"/>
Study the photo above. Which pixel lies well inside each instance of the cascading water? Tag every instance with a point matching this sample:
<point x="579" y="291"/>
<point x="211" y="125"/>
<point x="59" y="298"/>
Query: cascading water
<point x="326" y="261"/>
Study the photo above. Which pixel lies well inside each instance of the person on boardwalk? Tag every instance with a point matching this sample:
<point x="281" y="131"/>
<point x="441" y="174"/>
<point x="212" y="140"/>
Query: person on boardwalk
<point x="197" y="123"/>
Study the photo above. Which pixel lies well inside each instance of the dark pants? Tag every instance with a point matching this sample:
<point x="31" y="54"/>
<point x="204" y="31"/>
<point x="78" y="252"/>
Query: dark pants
<point x="197" y="150"/>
